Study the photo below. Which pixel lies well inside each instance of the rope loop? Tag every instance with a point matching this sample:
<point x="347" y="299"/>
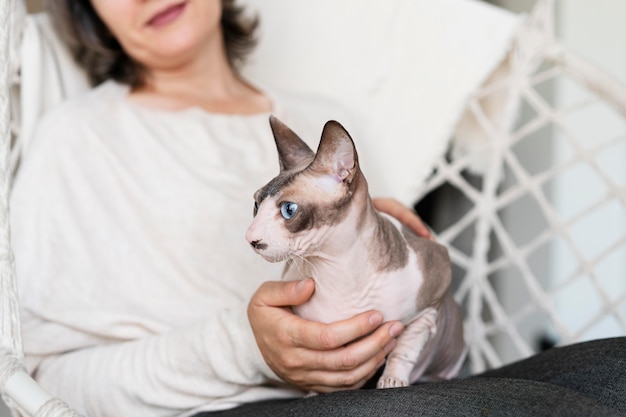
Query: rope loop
<point x="10" y="364"/>
<point x="56" y="408"/>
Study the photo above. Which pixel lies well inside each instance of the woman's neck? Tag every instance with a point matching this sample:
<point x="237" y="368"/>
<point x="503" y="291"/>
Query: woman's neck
<point x="208" y="84"/>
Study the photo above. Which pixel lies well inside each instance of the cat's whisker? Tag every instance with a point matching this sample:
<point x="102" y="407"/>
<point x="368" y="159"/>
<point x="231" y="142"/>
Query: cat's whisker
<point x="318" y="247"/>
<point x="305" y="260"/>
<point x="287" y="258"/>
<point x="292" y="255"/>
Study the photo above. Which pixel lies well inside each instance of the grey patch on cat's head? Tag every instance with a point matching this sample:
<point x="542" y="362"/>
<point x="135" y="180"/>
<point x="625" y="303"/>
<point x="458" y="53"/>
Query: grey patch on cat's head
<point x="313" y="210"/>
<point x="315" y="215"/>
<point x="273" y="187"/>
<point x="336" y="156"/>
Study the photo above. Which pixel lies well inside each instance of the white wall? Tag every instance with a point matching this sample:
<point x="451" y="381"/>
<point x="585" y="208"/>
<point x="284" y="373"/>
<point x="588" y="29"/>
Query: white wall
<point x="596" y="31"/>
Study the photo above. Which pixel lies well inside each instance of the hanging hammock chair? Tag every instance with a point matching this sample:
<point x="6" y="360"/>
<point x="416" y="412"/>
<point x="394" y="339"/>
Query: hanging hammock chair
<point x="485" y="170"/>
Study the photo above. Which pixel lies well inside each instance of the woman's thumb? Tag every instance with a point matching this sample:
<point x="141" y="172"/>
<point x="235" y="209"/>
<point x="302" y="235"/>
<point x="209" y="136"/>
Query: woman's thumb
<point x="304" y="290"/>
<point x="284" y="293"/>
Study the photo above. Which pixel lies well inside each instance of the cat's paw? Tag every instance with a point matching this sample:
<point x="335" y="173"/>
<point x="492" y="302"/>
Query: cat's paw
<point x="391" y="382"/>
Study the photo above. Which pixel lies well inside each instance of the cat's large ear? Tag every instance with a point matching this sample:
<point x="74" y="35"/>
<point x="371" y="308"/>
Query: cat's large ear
<point x="336" y="155"/>
<point x="291" y="149"/>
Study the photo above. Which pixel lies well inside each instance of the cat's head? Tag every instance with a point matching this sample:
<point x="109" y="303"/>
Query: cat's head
<point x="313" y="191"/>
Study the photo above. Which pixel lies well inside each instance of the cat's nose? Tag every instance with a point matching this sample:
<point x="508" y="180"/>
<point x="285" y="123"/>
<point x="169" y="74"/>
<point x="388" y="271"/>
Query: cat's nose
<point x="256" y="244"/>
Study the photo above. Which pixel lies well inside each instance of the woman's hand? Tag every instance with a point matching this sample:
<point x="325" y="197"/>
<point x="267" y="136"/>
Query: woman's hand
<point x="316" y="356"/>
<point x="404" y="214"/>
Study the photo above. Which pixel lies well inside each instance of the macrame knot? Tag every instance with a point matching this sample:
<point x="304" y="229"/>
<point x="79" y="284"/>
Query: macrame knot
<point x="56" y="408"/>
<point x="9" y="365"/>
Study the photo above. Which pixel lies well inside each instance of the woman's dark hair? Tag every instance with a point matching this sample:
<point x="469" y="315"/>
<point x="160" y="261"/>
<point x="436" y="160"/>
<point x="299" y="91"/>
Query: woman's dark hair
<point x="96" y="50"/>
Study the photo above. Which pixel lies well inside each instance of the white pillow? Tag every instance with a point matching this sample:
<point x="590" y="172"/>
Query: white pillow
<point x="399" y="71"/>
<point x="48" y="75"/>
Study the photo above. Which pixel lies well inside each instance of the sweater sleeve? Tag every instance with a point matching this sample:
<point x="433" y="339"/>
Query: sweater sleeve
<point x="160" y="375"/>
<point x="129" y="306"/>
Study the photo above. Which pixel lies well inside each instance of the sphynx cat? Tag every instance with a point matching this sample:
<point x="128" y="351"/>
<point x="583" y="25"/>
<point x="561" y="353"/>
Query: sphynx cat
<point x="317" y="215"/>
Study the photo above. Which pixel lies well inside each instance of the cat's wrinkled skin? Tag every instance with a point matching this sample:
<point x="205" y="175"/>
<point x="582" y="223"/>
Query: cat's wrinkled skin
<point x="360" y="259"/>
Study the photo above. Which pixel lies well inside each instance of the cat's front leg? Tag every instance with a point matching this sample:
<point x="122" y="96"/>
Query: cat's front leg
<point x="403" y="358"/>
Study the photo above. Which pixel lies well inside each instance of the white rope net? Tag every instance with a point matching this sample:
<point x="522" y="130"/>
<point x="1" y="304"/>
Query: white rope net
<point x="538" y="241"/>
<point x="18" y="390"/>
<point x="10" y="336"/>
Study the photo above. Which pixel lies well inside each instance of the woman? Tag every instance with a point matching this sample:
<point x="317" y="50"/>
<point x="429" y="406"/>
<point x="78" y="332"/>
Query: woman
<point x="140" y="296"/>
<point x="130" y="217"/>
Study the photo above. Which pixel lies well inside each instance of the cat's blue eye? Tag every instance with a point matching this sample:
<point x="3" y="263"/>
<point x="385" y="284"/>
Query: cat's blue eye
<point x="288" y="209"/>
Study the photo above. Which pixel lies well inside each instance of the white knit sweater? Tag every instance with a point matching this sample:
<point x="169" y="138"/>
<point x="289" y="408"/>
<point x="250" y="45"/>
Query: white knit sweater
<point x="128" y="228"/>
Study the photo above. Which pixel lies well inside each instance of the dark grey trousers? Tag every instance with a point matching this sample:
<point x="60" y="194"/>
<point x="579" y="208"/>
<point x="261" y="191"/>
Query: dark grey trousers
<point x="585" y="379"/>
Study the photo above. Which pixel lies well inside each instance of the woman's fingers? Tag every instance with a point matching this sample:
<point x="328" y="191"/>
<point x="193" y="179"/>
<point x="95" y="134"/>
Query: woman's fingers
<point x="330" y="381"/>
<point x="352" y="355"/>
<point x="309" y="354"/>
<point x="347" y="367"/>
<point x="321" y="336"/>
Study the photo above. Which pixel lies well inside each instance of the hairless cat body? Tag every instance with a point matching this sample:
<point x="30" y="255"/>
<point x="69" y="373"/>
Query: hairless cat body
<point x="317" y="215"/>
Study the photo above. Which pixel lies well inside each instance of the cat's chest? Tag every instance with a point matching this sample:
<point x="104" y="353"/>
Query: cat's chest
<point x="342" y="294"/>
